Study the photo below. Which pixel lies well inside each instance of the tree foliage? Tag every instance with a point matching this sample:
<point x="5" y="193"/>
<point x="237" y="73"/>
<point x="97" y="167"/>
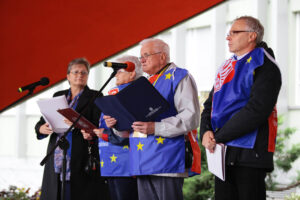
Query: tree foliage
<point x="285" y="155"/>
<point x="200" y="187"/>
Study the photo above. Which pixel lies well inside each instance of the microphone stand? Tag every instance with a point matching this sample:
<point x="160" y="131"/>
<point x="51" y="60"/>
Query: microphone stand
<point x="30" y="92"/>
<point x="63" y="142"/>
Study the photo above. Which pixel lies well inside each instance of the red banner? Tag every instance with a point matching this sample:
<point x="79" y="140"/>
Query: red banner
<point x="39" y="38"/>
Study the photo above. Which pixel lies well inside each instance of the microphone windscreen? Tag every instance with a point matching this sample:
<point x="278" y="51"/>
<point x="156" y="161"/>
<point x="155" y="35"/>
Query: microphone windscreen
<point x="130" y="66"/>
<point x="108" y="64"/>
<point x="44" y="81"/>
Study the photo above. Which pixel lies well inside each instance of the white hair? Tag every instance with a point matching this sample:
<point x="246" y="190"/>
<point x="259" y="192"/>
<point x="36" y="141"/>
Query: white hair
<point x="159" y="45"/>
<point x="135" y="61"/>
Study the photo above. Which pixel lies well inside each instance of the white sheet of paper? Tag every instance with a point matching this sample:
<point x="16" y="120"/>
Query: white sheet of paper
<point x="216" y="161"/>
<point x="49" y="107"/>
<point x="139" y="134"/>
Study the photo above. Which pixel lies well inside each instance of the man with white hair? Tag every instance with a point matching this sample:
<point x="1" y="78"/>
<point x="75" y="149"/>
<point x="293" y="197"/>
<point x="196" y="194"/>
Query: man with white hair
<point x="159" y="157"/>
<point x="157" y="149"/>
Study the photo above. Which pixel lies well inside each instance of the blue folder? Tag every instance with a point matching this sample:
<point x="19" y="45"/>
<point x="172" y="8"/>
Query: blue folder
<point x="139" y="101"/>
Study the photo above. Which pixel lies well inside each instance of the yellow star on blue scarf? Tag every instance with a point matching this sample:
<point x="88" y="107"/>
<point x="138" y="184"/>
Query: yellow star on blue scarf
<point x="168" y="76"/>
<point x="249" y="59"/>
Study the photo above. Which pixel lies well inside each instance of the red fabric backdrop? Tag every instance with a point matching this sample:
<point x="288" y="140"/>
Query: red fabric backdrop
<point x="39" y="38"/>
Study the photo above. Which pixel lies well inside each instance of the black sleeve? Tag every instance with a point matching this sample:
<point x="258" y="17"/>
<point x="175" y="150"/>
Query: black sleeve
<point x="37" y="129"/>
<point x="95" y="115"/>
<point x="87" y="107"/>
<point x="263" y="97"/>
<point x="205" y="124"/>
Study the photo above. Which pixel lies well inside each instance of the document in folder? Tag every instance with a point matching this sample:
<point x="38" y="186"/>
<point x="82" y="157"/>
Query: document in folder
<point x="216" y="161"/>
<point x="49" y="107"/>
<point x="139" y="101"/>
<point x="83" y="123"/>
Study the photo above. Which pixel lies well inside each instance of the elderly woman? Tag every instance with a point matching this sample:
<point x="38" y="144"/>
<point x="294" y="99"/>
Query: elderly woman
<point x="80" y="183"/>
<point x="114" y="145"/>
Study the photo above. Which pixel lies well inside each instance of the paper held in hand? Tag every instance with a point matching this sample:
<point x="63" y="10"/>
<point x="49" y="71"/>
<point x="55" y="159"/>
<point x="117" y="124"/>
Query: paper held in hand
<point x="49" y="107"/>
<point x="216" y="161"/>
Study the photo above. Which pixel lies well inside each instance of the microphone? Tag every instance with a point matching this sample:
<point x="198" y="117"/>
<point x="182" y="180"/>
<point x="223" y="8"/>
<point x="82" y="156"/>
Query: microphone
<point x="128" y="66"/>
<point x="43" y="81"/>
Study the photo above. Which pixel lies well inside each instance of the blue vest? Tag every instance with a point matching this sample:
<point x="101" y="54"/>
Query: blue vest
<point x="232" y="92"/>
<point x="153" y="155"/>
<point x="114" y="159"/>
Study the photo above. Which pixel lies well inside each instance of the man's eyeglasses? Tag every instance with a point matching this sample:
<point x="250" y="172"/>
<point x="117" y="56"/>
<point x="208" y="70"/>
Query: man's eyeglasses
<point x="233" y="33"/>
<point x="145" y="56"/>
<point x="83" y="73"/>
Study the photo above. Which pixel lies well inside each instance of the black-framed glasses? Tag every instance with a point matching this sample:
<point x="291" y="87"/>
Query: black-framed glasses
<point x="145" y="56"/>
<point x="83" y="73"/>
<point x="233" y="33"/>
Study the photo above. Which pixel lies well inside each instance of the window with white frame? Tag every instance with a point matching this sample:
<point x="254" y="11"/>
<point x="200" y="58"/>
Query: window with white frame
<point x="198" y="57"/>
<point x="297" y="57"/>
<point x="167" y="38"/>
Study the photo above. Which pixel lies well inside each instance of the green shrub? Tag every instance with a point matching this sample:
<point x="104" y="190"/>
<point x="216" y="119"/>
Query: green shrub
<point x="293" y="196"/>
<point x="285" y="155"/>
<point x="200" y="187"/>
<point x="15" y="193"/>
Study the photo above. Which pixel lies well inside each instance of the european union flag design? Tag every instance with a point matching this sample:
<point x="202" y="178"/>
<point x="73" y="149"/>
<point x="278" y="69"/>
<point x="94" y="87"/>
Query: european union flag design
<point x="149" y="155"/>
<point x="154" y="155"/>
<point x="232" y="91"/>
<point x="114" y="159"/>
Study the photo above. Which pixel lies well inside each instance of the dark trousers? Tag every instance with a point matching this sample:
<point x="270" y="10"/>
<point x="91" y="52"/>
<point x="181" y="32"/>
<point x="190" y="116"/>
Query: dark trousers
<point x="67" y="190"/>
<point x="241" y="183"/>
<point x="159" y="188"/>
<point x="123" y="188"/>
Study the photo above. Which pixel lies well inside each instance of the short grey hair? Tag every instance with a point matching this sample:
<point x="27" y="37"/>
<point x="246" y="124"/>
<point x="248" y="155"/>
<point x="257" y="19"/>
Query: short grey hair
<point x="82" y="61"/>
<point x="254" y="25"/>
<point x="135" y="61"/>
<point x="159" y="45"/>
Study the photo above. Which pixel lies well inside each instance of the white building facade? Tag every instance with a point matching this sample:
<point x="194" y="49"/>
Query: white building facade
<point x="198" y="45"/>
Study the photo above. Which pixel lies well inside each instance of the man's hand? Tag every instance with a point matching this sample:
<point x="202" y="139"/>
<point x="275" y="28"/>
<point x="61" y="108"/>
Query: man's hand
<point x="45" y="129"/>
<point x="99" y="132"/>
<point x="109" y="121"/>
<point x="144" y="127"/>
<point x="208" y="141"/>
